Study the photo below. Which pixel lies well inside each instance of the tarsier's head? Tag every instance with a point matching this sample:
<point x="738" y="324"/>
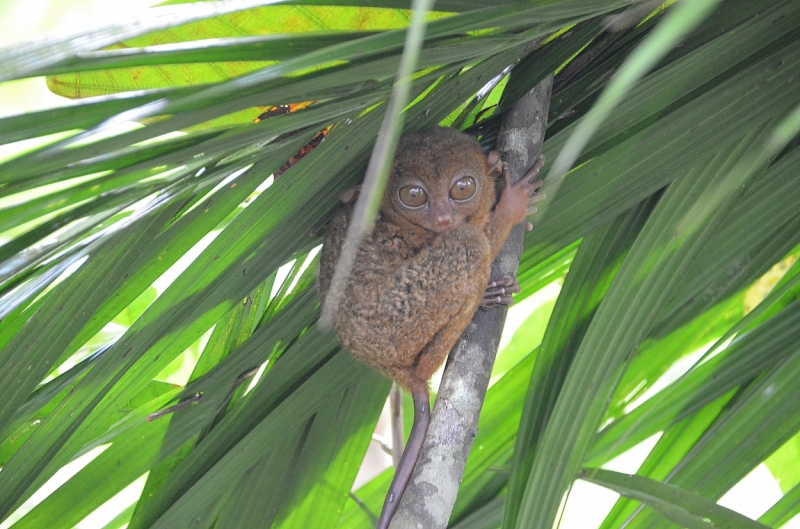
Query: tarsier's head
<point x="440" y="179"/>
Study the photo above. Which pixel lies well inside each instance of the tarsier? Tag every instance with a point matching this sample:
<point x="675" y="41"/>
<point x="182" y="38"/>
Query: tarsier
<point x="422" y="273"/>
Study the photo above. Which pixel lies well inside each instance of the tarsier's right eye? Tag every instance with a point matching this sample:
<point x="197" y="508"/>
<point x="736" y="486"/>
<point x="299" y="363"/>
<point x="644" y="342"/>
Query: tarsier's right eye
<point x="413" y="196"/>
<point x="463" y="189"/>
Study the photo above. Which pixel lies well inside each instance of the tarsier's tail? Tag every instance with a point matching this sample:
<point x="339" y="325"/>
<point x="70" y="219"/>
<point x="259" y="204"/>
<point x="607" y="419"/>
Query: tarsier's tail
<point x="402" y="475"/>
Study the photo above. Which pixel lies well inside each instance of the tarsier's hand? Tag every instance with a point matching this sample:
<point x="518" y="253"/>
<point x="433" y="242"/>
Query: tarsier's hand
<point x="517" y="200"/>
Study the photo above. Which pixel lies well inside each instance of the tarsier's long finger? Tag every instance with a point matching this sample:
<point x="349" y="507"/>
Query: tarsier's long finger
<point x="530" y="182"/>
<point x="496" y="300"/>
<point x="501" y="291"/>
<point x="506" y="175"/>
<point x="530" y="176"/>
<point x="531" y="187"/>
<point x="538" y="197"/>
<point x="534" y="171"/>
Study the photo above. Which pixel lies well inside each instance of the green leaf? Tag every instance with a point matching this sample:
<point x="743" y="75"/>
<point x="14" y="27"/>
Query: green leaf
<point x="785" y="464"/>
<point x="682" y="507"/>
<point x="642" y="161"/>
<point x="784" y="510"/>
<point x="590" y="276"/>
<point x="273" y="423"/>
<point x="675" y="232"/>
<point x="679" y="21"/>
<point x="525" y="339"/>
<point x="135" y="309"/>
<point x="23" y="60"/>
<point x="269" y="33"/>
<point x="762" y="418"/>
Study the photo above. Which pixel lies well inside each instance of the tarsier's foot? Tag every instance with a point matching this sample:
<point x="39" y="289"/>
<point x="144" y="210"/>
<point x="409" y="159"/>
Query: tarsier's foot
<point x="499" y="292"/>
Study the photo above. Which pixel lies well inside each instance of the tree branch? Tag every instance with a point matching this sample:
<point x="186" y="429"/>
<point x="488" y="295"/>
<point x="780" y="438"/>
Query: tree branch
<point x="428" y="501"/>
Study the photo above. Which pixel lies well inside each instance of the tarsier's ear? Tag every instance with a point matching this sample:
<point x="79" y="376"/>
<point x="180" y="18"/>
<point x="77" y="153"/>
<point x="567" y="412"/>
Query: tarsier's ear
<point x="494" y="163"/>
<point x="350" y="195"/>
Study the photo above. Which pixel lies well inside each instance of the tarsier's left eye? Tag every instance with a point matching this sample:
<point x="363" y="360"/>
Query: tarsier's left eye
<point x="413" y="196"/>
<point x="463" y="189"/>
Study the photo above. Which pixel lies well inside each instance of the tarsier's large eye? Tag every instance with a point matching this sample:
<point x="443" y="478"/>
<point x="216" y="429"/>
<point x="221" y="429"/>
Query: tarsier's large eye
<point x="413" y="196"/>
<point x="463" y="189"/>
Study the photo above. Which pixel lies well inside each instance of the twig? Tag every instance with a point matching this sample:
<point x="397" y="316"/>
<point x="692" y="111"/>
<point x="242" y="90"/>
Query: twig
<point x="160" y="413"/>
<point x="383" y="444"/>
<point x="244" y="376"/>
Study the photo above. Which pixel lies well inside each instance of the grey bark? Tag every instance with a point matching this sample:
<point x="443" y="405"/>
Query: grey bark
<point x="429" y="498"/>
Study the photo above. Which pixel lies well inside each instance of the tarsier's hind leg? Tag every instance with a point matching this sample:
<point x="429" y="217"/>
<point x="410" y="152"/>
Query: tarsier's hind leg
<point x="433" y="355"/>
<point x="415" y="378"/>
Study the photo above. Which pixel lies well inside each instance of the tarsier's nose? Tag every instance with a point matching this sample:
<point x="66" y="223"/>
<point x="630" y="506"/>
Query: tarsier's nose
<point x="442" y="221"/>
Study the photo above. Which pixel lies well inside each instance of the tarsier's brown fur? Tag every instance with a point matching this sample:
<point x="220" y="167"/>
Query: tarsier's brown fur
<point x="422" y="273"/>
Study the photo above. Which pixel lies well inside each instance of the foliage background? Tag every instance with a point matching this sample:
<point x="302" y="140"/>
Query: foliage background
<point x="92" y="220"/>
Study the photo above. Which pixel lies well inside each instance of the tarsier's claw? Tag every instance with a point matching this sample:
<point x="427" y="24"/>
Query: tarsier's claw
<point x="528" y="226"/>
